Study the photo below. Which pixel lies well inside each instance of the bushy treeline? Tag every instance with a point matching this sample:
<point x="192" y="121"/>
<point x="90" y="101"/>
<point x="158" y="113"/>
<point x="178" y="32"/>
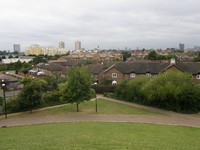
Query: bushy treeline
<point x="36" y="93"/>
<point x="154" y="56"/>
<point x="169" y="90"/>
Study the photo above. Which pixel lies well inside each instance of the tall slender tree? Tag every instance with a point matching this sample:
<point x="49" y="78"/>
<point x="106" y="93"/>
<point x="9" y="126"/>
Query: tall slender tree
<point x="78" y="87"/>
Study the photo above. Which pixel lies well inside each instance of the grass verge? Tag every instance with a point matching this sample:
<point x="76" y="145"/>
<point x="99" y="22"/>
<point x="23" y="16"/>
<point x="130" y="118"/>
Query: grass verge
<point x="104" y="107"/>
<point x="105" y="136"/>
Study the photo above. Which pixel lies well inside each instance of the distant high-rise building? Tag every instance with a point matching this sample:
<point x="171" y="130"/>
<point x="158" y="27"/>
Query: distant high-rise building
<point x="77" y="45"/>
<point x="181" y="47"/>
<point x="16" y="48"/>
<point x="61" y="44"/>
<point x="196" y="48"/>
<point x="36" y="49"/>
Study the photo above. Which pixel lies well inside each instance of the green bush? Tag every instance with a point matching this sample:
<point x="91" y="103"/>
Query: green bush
<point x="92" y="93"/>
<point x="1" y="101"/>
<point x="173" y="91"/>
<point x="170" y="90"/>
<point x="100" y="89"/>
<point x="131" y="90"/>
<point x="51" y="98"/>
<point x="109" y="95"/>
<point x="121" y="90"/>
<point x="12" y="105"/>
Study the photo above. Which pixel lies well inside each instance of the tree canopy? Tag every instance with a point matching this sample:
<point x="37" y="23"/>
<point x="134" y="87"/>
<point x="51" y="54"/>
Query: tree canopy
<point x="31" y="93"/>
<point x="170" y="90"/>
<point x="78" y="86"/>
<point x="154" y="56"/>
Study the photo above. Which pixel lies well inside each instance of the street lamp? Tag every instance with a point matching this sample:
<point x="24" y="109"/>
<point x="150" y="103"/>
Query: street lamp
<point x="95" y="97"/>
<point x="3" y="86"/>
<point x="96" y="102"/>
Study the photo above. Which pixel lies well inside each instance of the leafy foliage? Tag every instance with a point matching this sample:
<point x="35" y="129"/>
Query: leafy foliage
<point x="51" y="98"/>
<point x="78" y="86"/>
<point x="170" y="90"/>
<point x="154" y="56"/>
<point x="197" y="58"/>
<point x="126" y="55"/>
<point x="31" y="94"/>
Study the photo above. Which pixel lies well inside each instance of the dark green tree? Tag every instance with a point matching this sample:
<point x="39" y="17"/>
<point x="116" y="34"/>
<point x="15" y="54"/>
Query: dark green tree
<point x="152" y="55"/>
<point x="30" y="95"/>
<point x="10" y="56"/>
<point x="174" y="91"/>
<point x="126" y="55"/>
<point x="78" y="86"/>
<point x="18" y="65"/>
<point x="3" y="57"/>
<point x="39" y="59"/>
<point x="197" y="59"/>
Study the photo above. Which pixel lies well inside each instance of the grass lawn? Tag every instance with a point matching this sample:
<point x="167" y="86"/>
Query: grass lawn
<point x="105" y="136"/>
<point x="104" y="107"/>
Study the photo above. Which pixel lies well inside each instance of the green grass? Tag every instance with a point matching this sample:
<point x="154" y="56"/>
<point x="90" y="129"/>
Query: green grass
<point x="104" y="107"/>
<point x="105" y="136"/>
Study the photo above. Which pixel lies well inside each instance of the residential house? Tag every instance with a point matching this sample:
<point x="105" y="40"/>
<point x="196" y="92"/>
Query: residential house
<point x="126" y="71"/>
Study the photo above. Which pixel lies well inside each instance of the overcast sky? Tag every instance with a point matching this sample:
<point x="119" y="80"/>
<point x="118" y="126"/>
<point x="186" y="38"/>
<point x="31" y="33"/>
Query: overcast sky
<point x="111" y="24"/>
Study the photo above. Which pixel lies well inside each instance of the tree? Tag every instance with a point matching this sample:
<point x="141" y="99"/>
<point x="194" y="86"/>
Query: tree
<point x="53" y="81"/>
<point x="174" y="91"/>
<point x="10" y="56"/>
<point x="39" y="59"/>
<point x="126" y="55"/>
<point x="3" y="57"/>
<point x="197" y="59"/>
<point x="152" y="55"/>
<point x="18" y="65"/>
<point x="31" y="94"/>
<point x="78" y="86"/>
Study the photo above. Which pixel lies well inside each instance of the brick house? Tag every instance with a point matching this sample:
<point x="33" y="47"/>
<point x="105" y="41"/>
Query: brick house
<point x="126" y="71"/>
<point x="97" y="71"/>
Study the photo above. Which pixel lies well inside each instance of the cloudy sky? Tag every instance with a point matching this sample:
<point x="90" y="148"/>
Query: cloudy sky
<point x="111" y="24"/>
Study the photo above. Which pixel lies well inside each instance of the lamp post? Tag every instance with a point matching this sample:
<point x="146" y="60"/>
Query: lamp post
<point x="96" y="107"/>
<point x="3" y="86"/>
<point x="96" y="103"/>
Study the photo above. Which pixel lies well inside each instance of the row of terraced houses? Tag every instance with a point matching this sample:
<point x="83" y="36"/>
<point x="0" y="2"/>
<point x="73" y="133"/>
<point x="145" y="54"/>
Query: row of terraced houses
<point x="117" y="72"/>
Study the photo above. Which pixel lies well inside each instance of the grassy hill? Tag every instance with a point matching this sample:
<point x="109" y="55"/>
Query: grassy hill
<point x="105" y="136"/>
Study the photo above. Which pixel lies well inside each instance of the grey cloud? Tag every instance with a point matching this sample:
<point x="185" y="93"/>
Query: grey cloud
<point x="109" y="23"/>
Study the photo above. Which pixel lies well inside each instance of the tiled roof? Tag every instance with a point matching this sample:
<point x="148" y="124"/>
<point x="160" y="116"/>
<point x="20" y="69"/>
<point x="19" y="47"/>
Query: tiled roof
<point x="141" y="68"/>
<point x="191" y="67"/>
<point x="8" y="77"/>
<point x="155" y="67"/>
<point x="94" y="68"/>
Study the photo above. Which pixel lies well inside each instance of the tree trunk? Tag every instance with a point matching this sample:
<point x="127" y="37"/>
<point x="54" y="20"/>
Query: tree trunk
<point x="77" y="107"/>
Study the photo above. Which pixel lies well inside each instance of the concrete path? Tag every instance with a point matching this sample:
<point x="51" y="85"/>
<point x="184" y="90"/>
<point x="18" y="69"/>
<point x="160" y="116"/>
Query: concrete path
<point x="170" y="118"/>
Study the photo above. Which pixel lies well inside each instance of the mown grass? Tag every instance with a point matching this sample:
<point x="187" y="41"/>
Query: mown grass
<point x="105" y="136"/>
<point x="104" y="107"/>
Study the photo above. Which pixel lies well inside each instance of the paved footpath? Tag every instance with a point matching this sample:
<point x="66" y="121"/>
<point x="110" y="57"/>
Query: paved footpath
<point x="169" y="118"/>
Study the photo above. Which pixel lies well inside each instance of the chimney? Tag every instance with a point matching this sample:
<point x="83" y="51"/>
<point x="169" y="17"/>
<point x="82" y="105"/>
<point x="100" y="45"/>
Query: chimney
<point x="173" y="61"/>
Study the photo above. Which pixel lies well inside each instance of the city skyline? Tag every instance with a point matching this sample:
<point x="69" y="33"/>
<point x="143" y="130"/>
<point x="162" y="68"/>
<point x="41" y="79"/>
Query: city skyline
<point x="108" y="24"/>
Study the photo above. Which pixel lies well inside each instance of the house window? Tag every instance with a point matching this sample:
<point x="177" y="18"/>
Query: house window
<point x="114" y="75"/>
<point x="148" y="74"/>
<point x="132" y="75"/>
<point x="198" y="76"/>
<point x="114" y="82"/>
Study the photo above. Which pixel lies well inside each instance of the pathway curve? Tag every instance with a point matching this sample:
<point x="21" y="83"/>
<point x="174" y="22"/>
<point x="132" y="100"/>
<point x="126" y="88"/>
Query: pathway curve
<point x="170" y="118"/>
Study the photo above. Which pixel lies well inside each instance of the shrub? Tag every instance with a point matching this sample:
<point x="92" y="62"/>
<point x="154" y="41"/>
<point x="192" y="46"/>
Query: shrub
<point x="100" y="89"/>
<point x="13" y="105"/>
<point x="110" y="95"/>
<point x="92" y="93"/>
<point x="172" y="90"/>
<point x="51" y="98"/>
